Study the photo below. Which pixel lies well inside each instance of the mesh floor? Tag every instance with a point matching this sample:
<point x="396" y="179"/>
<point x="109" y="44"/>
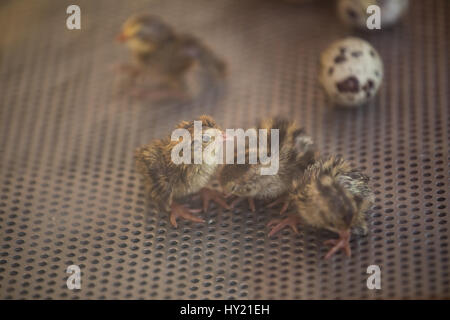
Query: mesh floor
<point x="70" y="193"/>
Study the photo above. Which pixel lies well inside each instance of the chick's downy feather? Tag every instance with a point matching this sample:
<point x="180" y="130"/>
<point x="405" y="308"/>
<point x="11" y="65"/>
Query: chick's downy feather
<point x="333" y="196"/>
<point x="164" y="180"/>
<point x="296" y="151"/>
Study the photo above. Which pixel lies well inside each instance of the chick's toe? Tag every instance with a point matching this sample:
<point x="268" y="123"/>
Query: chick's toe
<point x="279" y="224"/>
<point x="180" y="211"/>
<point x="208" y="195"/>
<point x="281" y="200"/>
<point x="343" y="243"/>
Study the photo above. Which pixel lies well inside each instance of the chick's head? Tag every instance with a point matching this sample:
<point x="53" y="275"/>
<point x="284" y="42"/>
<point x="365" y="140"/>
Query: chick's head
<point x="205" y="140"/>
<point x="337" y="208"/>
<point x="238" y="180"/>
<point x="143" y="33"/>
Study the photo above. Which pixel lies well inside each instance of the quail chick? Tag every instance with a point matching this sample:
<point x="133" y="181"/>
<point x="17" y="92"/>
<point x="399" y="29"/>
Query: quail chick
<point x="332" y="196"/>
<point x="296" y="152"/>
<point x="159" y="51"/>
<point x="166" y="182"/>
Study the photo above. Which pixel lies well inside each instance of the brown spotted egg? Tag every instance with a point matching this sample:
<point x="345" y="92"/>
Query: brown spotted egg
<point x="351" y="72"/>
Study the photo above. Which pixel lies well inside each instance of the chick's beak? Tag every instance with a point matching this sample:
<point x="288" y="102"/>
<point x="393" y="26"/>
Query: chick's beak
<point x="225" y="138"/>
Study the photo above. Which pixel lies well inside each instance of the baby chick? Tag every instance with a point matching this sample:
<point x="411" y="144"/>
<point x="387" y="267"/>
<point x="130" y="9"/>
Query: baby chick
<point x="158" y="50"/>
<point x="167" y="182"/>
<point x="332" y="196"/>
<point x="296" y="152"/>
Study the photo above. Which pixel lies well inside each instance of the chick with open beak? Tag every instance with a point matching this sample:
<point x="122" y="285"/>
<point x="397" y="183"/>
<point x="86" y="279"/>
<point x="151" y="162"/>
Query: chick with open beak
<point x="332" y="196"/>
<point x="295" y="153"/>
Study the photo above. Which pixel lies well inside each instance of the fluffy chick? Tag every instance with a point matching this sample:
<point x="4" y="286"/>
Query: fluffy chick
<point x="332" y="196"/>
<point x="166" y="182"/>
<point x="158" y="49"/>
<point x="296" y="152"/>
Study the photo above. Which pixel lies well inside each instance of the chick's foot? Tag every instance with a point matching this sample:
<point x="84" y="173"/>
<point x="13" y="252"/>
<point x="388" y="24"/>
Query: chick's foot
<point x="284" y="200"/>
<point x="343" y="243"/>
<point x="180" y="211"/>
<point x="129" y="69"/>
<point x="213" y="195"/>
<point x="279" y="224"/>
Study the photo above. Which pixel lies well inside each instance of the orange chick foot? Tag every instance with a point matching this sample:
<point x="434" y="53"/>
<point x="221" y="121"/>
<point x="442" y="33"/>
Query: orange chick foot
<point x="343" y="243"/>
<point x="180" y="211"/>
<point x="251" y="203"/>
<point x="208" y="195"/>
<point x="279" y="224"/>
<point x="284" y="200"/>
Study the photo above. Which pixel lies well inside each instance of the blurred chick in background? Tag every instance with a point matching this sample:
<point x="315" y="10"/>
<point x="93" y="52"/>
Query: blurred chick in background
<point x="165" y="58"/>
<point x="296" y="152"/>
<point x="166" y="182"/>
<point x="332" y="196"/>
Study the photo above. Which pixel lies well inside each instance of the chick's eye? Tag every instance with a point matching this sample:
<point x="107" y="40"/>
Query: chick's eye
<point x="206" y="138"/>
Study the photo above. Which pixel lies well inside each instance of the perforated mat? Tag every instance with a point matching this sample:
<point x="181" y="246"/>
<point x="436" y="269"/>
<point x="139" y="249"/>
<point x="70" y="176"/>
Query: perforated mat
<point x="69" y="193"/>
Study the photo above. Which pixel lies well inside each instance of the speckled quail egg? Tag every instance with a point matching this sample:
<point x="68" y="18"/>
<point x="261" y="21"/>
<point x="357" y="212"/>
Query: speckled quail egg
<point x="351" y="72"/>
<point x="354" y="12"/>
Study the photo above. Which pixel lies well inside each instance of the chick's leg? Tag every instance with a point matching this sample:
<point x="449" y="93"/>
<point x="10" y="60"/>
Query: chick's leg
<point x="178" y="210"/>
<point x="145" y="84"/>
<point x="159" y="93"/>
<point x="128" y="77"/>
<point x="213" y="195"/>
<point x="284" y="200"/>
<point x="251" y="203"/>
<point x="279" y="224"/>
<point x="342" y="243"/>
<point x="166" y="87"/>
<point x="128" y="69"/>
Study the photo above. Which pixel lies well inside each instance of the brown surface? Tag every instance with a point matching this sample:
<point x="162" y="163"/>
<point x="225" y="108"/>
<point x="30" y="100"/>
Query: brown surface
<point x="70" y="195"/>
